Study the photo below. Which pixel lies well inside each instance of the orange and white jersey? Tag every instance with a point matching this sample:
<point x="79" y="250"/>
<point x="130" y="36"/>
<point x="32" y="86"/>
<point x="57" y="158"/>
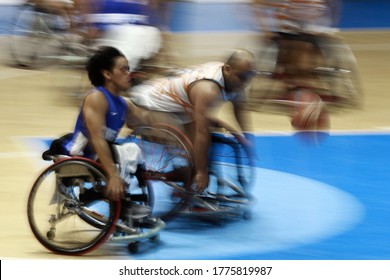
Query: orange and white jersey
<point x="171" y="94"/>
<point x="291" y="15"/>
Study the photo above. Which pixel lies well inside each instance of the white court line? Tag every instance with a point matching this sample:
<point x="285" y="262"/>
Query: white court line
<point x="356" y="132"/>
<point x="383" y="128"/>
<point x="17" y="155"/>
<point x="13" y="73"/>
<point x="33" y="147"/>
<point x="370" y="47"/>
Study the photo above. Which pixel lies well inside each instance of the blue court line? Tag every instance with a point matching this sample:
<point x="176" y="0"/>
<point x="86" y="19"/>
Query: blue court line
<point x="350" y="168"/>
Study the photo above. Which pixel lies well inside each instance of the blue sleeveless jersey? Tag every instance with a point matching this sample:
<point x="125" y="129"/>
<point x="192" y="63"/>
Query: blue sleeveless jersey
<point x="115" y="119"/>
<point x="113" y="12"/>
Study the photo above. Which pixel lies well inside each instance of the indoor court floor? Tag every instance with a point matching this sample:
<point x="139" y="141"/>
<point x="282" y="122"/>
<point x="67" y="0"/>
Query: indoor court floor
<point x="324" y="200"/>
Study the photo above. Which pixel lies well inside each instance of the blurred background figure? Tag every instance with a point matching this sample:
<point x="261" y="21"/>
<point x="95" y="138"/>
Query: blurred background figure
<point x="303" y="38"/>
<point x="160" y="13"/>
<point x="55" y="5"/>
<point x="127" y="26"/>
<point x="292" y="26"/>
<point x="296" y="28"/>
<point x="73" y="27"/>
<point x="160" y="17"/>
<point x="62" y="34"/>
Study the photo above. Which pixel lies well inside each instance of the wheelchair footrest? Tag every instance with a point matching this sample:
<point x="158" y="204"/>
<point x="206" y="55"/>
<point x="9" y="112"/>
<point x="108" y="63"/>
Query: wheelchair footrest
<point x="154" y="227"/>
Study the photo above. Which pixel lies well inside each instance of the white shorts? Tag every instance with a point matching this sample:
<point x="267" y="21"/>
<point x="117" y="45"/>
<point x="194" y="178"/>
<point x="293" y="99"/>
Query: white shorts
<point x="129" y="158"/>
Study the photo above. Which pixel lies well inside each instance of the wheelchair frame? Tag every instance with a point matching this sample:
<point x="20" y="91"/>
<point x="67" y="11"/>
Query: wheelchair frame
<point x="38" y="39"/>
<point x="77" y="199"/>
<point x="231" y="177"/>
<point x="79" y="182"/>
<point x="79" y="218"/>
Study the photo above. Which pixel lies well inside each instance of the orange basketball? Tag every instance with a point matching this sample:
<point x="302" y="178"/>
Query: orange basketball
<point x="309" y="111"/>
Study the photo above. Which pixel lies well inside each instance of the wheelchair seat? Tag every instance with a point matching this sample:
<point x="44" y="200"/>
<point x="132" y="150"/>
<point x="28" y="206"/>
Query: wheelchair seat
<point x="56" y="147"/>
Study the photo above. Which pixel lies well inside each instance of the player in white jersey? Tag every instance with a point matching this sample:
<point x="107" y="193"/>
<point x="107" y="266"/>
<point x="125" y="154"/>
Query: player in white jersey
<point x="296" y="15"/>
<point x="193" y="94"/>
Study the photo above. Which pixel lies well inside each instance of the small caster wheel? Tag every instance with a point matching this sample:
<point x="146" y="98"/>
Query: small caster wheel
<point x="51" y="234"/>
<point x="133" y="247"/>
<point x="155" y="238"/>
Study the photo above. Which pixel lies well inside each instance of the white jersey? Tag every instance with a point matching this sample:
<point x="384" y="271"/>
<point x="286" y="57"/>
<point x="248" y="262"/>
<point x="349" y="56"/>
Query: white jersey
<point x="171" y="94"/>
<point x="306" y="15"/>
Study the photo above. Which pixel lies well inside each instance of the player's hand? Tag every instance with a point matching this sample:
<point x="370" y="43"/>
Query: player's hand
<point x="115" y="189"/>
<point x="249" y="146"/>
<point x="202" y="181"/>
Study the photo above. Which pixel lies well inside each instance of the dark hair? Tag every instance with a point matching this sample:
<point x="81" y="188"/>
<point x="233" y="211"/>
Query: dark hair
<point x="103" y="59"/>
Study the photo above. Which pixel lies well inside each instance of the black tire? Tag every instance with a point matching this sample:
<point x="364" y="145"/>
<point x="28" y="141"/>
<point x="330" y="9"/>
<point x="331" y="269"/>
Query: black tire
<point x="341" y="74"/>
<point x="60" y="217"/>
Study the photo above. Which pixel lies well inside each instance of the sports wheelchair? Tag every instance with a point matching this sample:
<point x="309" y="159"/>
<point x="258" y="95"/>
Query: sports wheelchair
<point x="231" y="170"/>
<point x="69" y="214"/>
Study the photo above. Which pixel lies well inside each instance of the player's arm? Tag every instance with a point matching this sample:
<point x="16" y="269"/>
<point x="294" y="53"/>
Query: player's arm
<point x="203" y="95"/>
<point x="137" y="115"/>
<point x="94" y="110"/>
<point x="240" y="113"/>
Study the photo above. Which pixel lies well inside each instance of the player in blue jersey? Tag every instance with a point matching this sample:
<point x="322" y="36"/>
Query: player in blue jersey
<point x="126" y="25"/>
<point x="102" y="116"/>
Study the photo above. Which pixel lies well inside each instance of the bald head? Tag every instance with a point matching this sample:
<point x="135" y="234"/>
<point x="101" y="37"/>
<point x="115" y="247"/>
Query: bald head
<point x="238" y="70"/>
<point x="240" y="56"/>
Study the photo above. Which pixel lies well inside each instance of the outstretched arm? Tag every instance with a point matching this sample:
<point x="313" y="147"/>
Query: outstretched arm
<point x="137" y="115"/>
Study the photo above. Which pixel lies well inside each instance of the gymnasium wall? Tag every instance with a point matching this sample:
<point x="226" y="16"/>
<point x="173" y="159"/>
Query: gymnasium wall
<point x="208" y="29"/>
<point x="228" y="15"/>
<point x="365" y="14"/>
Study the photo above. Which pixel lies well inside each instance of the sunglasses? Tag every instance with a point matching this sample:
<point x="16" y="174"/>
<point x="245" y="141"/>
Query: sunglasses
<point x="245" y="76"/>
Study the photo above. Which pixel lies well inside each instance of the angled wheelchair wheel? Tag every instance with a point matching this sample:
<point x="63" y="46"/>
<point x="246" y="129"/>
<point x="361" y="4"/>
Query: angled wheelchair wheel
<point x="341" y="75"/>
<point x="231" y="157"/>
<point x="169" y="167"/>
<point x="231" y="177"/>
<point x="67" y="211"/>
<point x="34" y="40"/>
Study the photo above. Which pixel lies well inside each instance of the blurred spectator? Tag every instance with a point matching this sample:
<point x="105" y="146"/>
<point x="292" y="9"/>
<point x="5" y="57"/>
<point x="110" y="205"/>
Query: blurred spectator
<point x="54" y="5"/>
<point x="125" y="25"/>
<point x="160" y="13"/>
<point x="296" y="27"/>
<point x="299" y="30"/>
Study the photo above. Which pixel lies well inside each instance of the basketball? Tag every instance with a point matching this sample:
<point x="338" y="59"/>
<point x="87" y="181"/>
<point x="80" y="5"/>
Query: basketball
<point x="309" y="111"/>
